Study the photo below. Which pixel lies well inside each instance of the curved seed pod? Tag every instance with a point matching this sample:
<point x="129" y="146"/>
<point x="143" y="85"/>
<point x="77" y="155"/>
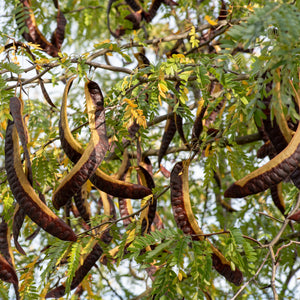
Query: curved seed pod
<point x="170" y="130"/>
<point x="81" y="272"/>
<point x="223" y="11"/>
<point x="135" y="5"/>
<point x="198" y="124"/>
<point x="275" y="171"/>
<point x="155" y="6"/>
<point x="267" y="149"/>
<point x="58" y="35"/>
<point x="5" y="248"/>
<point x="16" y="106"/>
<point x="143" y="61"/>
<point x="93" y="154"/>
<point x="7" y="273"/>
<point x="25" y="194"/>
<point x="18" y="219"/>
<point x="82" y="204"/>
<point x="101" y="180"/>
<point x="276" y="193"/>
<point x="147" y="215"/>
<point x="179" y="128"/>
<point x="34" y="35"/>
<point x="90" y="259"/>
<point x="186" y="221"/>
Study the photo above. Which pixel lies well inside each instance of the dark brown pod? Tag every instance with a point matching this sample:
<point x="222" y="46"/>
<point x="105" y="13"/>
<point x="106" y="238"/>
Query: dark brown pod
<point x="276" y="193"/>
<point x="275" y="171"/>
<point x="16" y="107"/>
<point x="147" y="215"/>
<point x="170" y="130"/>
<point x="58" y="35"/>
<point x="82" y="204"/>
<point x="80" y="273"/>
<point x="185" y="220"/>
<point x="18" y="219"/>
<point x="24" y="193"/>
<point x="295" y="216"/>
<point x="101" y="180"/>
<point x="34" y="35"/>
<point x="198" y="125"/>
<point x="7" y="273"/>
<point x="92" y="155"/>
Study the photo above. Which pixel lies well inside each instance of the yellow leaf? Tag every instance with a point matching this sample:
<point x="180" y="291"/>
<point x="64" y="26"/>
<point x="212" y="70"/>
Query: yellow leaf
<point x="180" y="276"/>
<point x="206" y="153"/>
<point x="109" y="54"/>
<point x="210" y="20"/>
<point x="228" y="148"/>
<point x="250" y="7"/>
<point x="162" y="89"/>
<point x="35" y="46"/>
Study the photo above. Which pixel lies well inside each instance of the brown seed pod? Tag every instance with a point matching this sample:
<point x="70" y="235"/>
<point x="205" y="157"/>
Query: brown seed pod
<point x="7" y="273"/>
<point x="34" y="35"/>
<point x="186" y="221"/>
<point x="82" y="204"/>
<point x="90" y="259"/>
<point x="155" y="6"/>
<point x="93" y="154"/>
<point x="58" y="35"/>
<point x="25" y="194"/>
<point x="101" y="180"/>
<point x="18" y="219"/>
<point x="5" y="248"/>
<point x="147" y="215"/>
<point x="170" y="130"/>
<point x="16" y="106"/>
<point x="273" y="172"/>
<point x="198" y="124"/>
<point x="267" y="149"/>
<point x="276" y="193"/>
<point x="80" y="273"/>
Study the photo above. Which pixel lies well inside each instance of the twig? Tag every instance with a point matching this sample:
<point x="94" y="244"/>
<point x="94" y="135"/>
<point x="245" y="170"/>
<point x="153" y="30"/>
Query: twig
<point x="271" y="217"/>
<point x="251" y="279"/>
<point x="108" y="283"/>
<point x="274" y="266"/>
<point x="285" y="246"/>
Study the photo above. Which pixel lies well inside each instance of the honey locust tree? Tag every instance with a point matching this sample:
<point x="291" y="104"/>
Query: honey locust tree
<point x="126" y="131"/>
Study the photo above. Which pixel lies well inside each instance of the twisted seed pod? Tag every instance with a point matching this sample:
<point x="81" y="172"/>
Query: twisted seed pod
<point x="18" y="219"/>
<point x="198" y="124"/>
<point x="272" y="173"/>
<point x="101" y="180"/>
<point x="34" y="35"/>
<point x="58" y="35"/>
<point x="7" y="273"/>
<point x="91" y="258"/>
<point x="82" y="204"/>
<point x="16" y="106"/>
<point x="186" y="221"/>
<point x="24" y="193"/>
<point x="93" y="154"/>
<point x="147" y="215"/>
<point x="170" y="130"/>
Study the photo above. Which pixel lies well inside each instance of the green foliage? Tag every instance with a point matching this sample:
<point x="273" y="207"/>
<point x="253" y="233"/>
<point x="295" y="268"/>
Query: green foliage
<point x="259" y="45"/>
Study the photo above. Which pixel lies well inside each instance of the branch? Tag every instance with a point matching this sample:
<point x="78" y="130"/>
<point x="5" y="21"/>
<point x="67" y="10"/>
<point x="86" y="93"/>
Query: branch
<point x="251" y="279"/>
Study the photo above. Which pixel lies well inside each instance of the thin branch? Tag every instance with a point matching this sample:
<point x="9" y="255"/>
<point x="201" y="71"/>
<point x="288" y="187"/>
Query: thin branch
<point x="274" y="266"/>
<point x="251" y="279"/>
<point x="285" y="246"/>
<point x="271" y="217"/>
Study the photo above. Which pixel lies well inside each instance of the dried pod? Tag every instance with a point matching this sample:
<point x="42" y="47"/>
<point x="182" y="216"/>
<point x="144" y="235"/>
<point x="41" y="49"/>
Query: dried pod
<point x="147" y="215"/>
<point x="82" y="204"/>
<point x="276" y="193"/>
<point x="25" y="194"/>
<point x="273" y="172"/>
<point x="170" y="130"/>
<point x="185" y="220"/>
<point x="93" y="154"/>
<point x="101" y="180"/>
<point x="7" y="273"/>
<point x="18" y="219"/>
<point x="91" y="258"/>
